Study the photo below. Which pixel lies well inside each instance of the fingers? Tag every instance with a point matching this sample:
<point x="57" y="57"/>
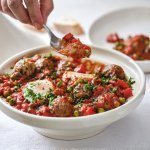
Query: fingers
<point x="19" y="11"/>
<point x="6" y="9"/>
<point x="34" y="13"/>
<point x="46" y="8"/>
<point x="0" y="6"/>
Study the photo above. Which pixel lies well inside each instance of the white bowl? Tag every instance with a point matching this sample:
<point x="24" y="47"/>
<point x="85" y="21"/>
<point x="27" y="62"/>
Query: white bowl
<point x="79" y="127"/>
<point x="125" y="22"/>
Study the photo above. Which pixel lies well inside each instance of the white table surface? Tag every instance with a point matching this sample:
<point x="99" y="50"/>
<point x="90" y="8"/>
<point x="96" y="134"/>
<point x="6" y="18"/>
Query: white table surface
<point x="132" y="132"/>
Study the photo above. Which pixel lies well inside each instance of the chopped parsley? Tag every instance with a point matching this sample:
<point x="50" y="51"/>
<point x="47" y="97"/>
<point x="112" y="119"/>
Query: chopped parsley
<point x="48" y="56"/>
<point x="113" y="90"/>
<point x="59" y="84"/>
<point x="31" y="96"/>
<point x="130" y="82"/>
<point x="105" y="80"/>
<point x="80" y="80"/>
<point x="88" y="87"/>
<point x="54" y="75"/>
<point x="51" y="97"/>
<point x="69" y="89"/>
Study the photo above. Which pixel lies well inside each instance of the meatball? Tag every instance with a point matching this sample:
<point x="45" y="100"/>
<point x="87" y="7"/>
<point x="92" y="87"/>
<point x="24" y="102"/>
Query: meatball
<point x="43" y="63"/>
<point x="113" y="71"/>
<point x="72" y="47"/>
<point x="76" y="50"/>
<point x="138" y="43"/>
<point x="23" y="67"/>
<point x="62" y="107"/>
<point x="82" y="90"/>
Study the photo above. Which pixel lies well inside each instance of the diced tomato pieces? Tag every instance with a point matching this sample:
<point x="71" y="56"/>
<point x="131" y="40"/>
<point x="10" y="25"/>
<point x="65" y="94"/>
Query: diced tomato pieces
<point x="18" y="107"/>
<point x="83" y="108"/>
<point x="98" y="91"/>
<point x="19" y="102"/>
<point x="122" y="84"/>
<point x="100" y="104"/>
<point x="68" y="36"/>
<point x="87" y="101"/>
<point x="32" y="111"/>
<point x="112" y="38"/>
<point x="45" y="111"/>
<point x="89" y="111"/>
<point x="1" y="90"/>
<point x="80" y="69"/>
<point x="127" y="92"/>
<point x="25" y="106"/>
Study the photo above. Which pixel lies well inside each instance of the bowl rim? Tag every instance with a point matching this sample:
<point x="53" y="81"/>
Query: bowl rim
<point x="110" y="13"/>
<point x="44" y="118"/>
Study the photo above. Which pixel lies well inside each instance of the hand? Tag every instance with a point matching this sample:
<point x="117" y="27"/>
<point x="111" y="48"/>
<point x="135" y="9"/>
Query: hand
<point x="34" y="12"/>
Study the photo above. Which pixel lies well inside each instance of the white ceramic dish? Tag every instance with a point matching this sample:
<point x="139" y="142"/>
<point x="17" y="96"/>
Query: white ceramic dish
<point x="125" y="22"/>
<point x="79" y="127"/>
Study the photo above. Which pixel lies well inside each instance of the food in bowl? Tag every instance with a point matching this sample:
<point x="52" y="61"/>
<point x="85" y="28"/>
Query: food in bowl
<point x="55" y="86"/>
<point x="137" y="47"/>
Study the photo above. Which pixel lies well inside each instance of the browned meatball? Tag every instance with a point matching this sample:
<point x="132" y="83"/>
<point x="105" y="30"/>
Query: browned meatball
<point x="82" y="90"/>
<point x="23" y="67"/>
<point x="43" y="63"/>
<point x="62" y="107"/>
<point x="114" y="71"/>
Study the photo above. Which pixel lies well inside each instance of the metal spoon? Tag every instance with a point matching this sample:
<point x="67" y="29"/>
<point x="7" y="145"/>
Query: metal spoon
<point x="54" y="40"/>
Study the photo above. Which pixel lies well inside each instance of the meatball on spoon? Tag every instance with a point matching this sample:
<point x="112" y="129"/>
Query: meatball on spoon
<point x="68" y="45"/>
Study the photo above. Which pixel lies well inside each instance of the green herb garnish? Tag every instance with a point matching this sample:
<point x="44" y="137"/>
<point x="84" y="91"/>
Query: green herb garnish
<point x="88" y="87"/>
<point x="30" y="95"/>
<point x="113" y="90"/>
<point x="48" y="56"/>
<point x="104" y="80"/>
<point x="69" y="89"/>
<point x="59" y="84"/>
<point x="54" y="75"/>
<point x="130" y="82"/>
<point x="51" y="97"/>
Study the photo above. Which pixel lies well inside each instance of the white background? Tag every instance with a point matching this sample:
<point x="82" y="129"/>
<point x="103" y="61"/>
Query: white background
<point x="132" y="132"/>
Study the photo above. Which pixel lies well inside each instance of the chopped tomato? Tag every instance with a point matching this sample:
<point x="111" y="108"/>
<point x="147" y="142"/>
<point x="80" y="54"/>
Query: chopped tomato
<point x="87" y="101"/>
<point x="100" y="104"/>
<point x="127" y="93"/>
<point x="32" y="111"/>
<point x="80" y="69"/>
<point x="98" y="91"/>
<point x="112" y="38"/>
<point x="122" y="84"/>
<point x="68" y="36"/>
<point x="89" y="110"/>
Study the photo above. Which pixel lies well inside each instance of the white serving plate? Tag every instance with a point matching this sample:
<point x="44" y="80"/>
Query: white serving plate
<point x="125" y="22"/>
<point x="79" y="127"/>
